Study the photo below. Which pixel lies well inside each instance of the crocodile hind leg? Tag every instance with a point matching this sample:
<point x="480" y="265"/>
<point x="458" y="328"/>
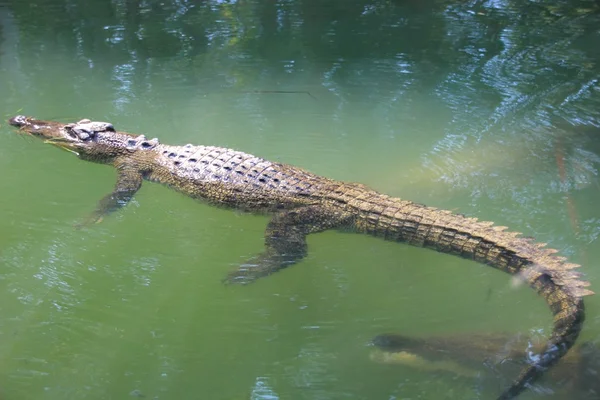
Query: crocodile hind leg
<point x="285" y="241"/>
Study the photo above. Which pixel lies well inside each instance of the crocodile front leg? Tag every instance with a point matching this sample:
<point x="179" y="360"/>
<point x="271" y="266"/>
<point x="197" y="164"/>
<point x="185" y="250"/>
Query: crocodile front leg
<point x="285" y="240"/>
<point x="129" y="180"/>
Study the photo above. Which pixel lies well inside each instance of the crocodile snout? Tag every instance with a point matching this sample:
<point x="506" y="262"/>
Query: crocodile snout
<point x="18" y="121"/>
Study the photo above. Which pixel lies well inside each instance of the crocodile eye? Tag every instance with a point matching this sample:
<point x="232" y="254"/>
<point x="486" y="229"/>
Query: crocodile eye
<point x="83" y="135"/>
<point x="109" y="128"/>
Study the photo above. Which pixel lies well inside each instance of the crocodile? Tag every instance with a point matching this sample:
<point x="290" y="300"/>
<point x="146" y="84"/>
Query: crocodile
<point x="301" y="203"/>
<point x="481" y="355"/>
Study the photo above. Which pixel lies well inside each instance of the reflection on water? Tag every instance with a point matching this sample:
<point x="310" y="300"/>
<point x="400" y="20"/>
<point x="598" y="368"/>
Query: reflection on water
<point x="489" y="108"/>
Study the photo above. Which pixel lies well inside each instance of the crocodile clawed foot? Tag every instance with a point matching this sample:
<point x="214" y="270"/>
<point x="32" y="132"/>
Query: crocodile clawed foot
<point x="255" y="268"/>
<point x="91" y="220"/>
<point x="235" y="279"/>
<point x="244" y="274"/>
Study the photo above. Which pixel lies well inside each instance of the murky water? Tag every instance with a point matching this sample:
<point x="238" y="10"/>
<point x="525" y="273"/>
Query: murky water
<point x="490" y="108"/>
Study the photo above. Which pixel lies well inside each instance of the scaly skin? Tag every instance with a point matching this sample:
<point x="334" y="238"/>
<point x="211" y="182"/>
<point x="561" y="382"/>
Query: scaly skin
<point x="302" y="203"/>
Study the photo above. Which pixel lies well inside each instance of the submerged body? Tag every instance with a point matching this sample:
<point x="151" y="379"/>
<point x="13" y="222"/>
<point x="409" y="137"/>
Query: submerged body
<point x="479" y="356"/>
<point x="302" y="203"/>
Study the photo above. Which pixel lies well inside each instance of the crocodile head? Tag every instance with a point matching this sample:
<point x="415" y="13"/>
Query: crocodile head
<point x="90" y="140"/>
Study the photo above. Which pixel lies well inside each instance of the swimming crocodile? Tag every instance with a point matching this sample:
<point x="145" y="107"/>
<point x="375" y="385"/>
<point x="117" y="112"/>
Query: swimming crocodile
<point x="486" y="355"/>
<point x="302" y="203"/>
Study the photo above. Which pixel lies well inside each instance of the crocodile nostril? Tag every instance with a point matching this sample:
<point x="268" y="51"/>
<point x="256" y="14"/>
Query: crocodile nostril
<point x="18" y="121"/>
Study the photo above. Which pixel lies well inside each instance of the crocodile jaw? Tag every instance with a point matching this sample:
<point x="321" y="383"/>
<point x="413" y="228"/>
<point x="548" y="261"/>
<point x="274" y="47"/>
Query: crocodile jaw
<point x="71" y="137"/>
<point x="35" y="127"/>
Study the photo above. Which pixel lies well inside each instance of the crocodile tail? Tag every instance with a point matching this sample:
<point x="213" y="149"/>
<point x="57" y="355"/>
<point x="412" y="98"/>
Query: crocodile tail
<point x="568" y="315"/>
<point x="553" y="278"/>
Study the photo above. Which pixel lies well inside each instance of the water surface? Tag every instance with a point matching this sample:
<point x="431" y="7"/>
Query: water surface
<point x="491" y="109"/>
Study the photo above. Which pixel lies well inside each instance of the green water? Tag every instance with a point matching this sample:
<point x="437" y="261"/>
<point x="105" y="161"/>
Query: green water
<point x="491" y="109"/>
